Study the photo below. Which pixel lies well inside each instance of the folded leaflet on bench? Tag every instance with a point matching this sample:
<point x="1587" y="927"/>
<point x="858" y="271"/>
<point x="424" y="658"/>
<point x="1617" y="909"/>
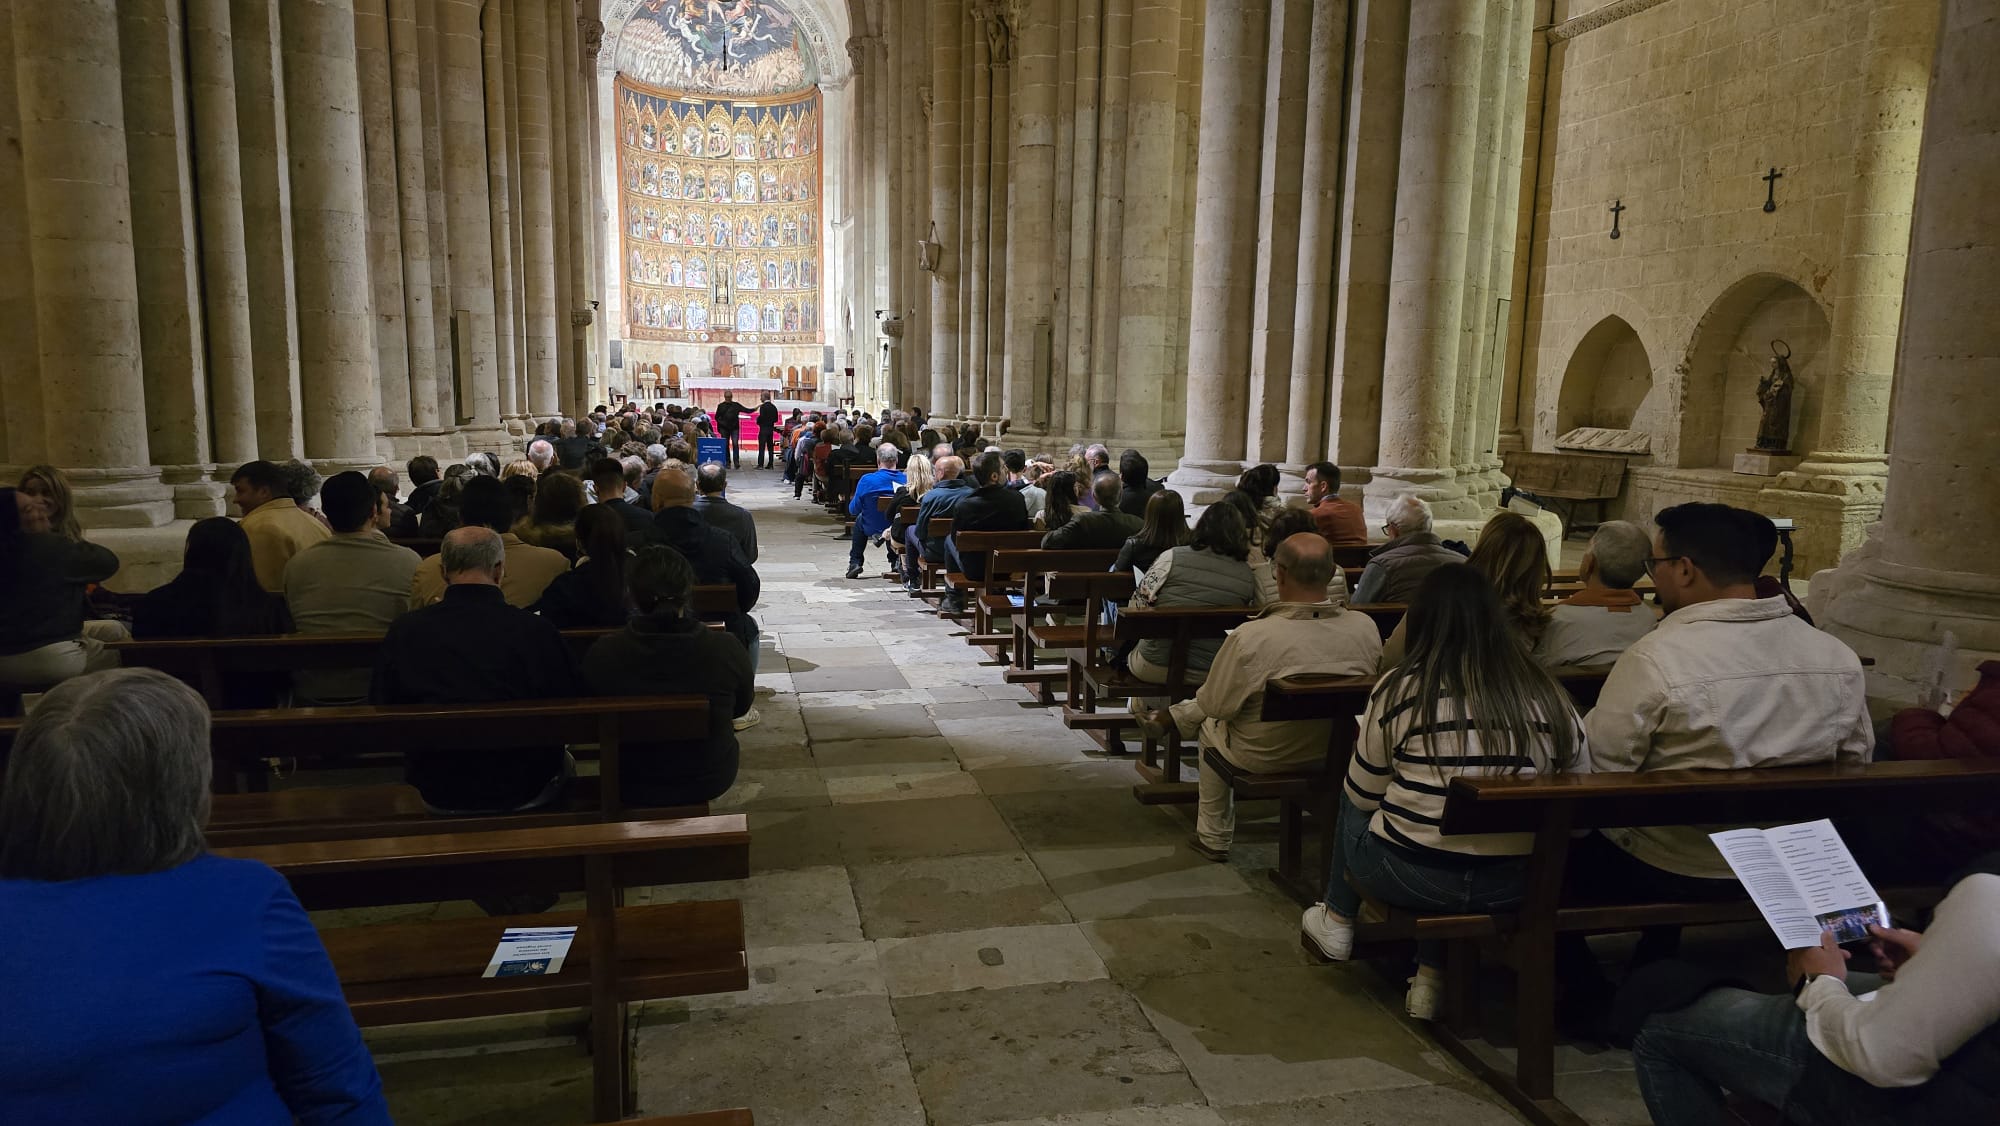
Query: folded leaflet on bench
<point x="530" y="950"/>
<point x="1804" y="881"/>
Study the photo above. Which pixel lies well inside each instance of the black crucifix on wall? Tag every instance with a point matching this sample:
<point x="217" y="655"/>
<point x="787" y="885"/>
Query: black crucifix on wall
<point x="1617" y="206"/>
<point x="1771" y="179"/>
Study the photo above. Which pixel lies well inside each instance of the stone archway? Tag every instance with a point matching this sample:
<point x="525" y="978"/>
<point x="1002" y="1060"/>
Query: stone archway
<point x="1731" y="349"/>
<point x="1609" y="382"/>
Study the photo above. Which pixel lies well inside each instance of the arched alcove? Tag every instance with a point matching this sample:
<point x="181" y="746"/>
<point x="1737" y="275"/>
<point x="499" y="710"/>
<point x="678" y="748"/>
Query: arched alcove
<point x="1608" y="382"/>
<point x="1731" y="351"/>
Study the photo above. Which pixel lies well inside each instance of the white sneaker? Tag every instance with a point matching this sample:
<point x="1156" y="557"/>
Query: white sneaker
<point x="1426" y="993"/>
<point x="747" y="720"/>
<point x="1331" y="937"/>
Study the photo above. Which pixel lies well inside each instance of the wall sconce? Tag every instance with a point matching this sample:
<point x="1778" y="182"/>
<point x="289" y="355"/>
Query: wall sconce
<point x="929" y="252"/>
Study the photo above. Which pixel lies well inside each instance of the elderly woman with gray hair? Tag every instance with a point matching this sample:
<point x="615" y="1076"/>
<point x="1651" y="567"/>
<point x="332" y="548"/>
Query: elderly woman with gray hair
<point x="168" y="984"/>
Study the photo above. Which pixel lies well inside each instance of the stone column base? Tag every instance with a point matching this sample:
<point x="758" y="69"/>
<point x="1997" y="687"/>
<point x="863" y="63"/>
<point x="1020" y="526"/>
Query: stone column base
<point x="1898" y="615"/>
<point x="1204" y="482"/>
<point x="1441" y="488"/>
<point x="124" y="497"/>
<point x="199" y="490"/>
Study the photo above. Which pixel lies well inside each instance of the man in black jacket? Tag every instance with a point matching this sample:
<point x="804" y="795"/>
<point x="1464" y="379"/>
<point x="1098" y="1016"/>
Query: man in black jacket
<point x="668" y="651"/>
<point x="471" y="647"/>
<point x="992" y="507"/>
<point x="713" y="482"/>
<point x="712" y="552"/>
<point x="607" y="476"/>
<point x="424" y="481"/>
<point x="578" y="446"/>
<point x="767" y="433"/>
<point x="1106" y="529"/>
<point x="729" y="426"/>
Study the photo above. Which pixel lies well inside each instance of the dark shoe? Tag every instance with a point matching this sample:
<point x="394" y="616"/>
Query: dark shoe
<point x="1219" y="855"/>
<point x="854" y="572"/>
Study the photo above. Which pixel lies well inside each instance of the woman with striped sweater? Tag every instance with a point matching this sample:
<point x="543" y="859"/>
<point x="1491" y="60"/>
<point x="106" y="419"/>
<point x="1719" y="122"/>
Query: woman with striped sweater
<point x="1467" y="699"/>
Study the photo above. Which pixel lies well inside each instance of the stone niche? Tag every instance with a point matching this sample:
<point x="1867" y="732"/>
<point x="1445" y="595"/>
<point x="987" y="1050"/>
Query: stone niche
<point x="1732" y="351"/>
<point x="1608" y="384"/>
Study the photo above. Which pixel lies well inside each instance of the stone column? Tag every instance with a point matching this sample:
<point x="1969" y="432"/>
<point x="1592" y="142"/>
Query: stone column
<point x="569" y="389"/>
<point x="1225" y="245"/>
<point x="430" y="72"/>
<point x="1319" y="234"/>
<point x="581" y="218"/>
<point x="77" y="176"/>
<point x="462" y="107"/>
<point x="1000" y="56"/>
<point x="1516" y="194"/>
<point x="944" y="152"/>
<point x="1074" y="319"/>
<point x="330" y="217"/>
<point x="1932" y="566"/>
<point x="21" y="423"/>
<point x="225" y="283"/>
<point x="510" y="262"/>
<point x="537" y="221"/>
<point x="1104" y="297"/>
<point x="590" y="29"/>
<point x="1476" y="315"/>
<point x="1030" y="194"/>
<point x="1148" y="309"/>
<point x="413" y="195"/>
<point x="1427" y="275"/>
<point x="385" y="220"/>
<point x="977" y="231"/>
<point x="265" y="147"/>
<point x="1277" y="270"/>
<point x="159" y="150"/>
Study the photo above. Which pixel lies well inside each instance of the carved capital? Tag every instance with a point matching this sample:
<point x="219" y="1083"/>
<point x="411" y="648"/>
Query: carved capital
<point x="858" y="48"/>
<point x="591" y="33"/>
<point x="996" y="18"/>
<point x="582" y="318"/>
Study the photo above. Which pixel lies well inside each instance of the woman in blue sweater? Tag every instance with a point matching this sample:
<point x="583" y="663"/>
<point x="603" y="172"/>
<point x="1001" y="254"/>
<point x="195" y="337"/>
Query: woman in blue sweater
<point x="156" y="983"/>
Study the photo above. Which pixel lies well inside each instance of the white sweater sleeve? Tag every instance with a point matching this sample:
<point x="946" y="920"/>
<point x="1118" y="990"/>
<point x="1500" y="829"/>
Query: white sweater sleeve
<point x="1899" y="1035"/>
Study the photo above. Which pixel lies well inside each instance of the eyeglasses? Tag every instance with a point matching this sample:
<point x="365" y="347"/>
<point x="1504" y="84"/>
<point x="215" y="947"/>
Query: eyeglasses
<point x="1660" y="559"/>
<point x="1389" y="530"/>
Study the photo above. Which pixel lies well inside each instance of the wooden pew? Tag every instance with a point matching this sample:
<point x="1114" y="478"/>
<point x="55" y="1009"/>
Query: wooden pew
<point x="1081" y="644"/>
<point x="931" y="575"/>
<point x="1033" y="567"/>
<point x="1554" y="808"/>
<point x="978" y="545"/>
<point x="411" y="972"/>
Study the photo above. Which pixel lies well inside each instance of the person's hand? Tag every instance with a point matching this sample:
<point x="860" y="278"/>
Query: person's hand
<point x="34" y="515"/>
<point x="1827" y="959"/>
<point x="1893" y="948"/>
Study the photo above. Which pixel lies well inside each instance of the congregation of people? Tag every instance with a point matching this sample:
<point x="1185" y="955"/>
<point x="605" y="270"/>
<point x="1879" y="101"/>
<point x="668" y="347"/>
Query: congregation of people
<point x="607" y="522"/>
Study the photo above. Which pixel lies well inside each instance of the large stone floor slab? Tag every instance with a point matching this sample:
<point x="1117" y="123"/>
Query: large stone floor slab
<point x="987" y="959"/>
<point x="873" y="832"/>
<point x="930" y="894"/>
<point x="989" y="1055"/>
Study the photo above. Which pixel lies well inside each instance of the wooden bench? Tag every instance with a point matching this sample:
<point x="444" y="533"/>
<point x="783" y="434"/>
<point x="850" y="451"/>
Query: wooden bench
<point x="1554" y="808"/>
<point x="977" y="546"/>
<point x="1033" y="568"/>
<point x="930" y="574"/>
<point x="412" y="972"/>
<point x="1081" y="644"/>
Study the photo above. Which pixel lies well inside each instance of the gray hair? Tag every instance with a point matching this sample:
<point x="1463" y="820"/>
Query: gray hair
<point x="302" y="481"/>
<point x="655" y="454"/>
<point x="887" y="455"/>
<point x="471" y="549"/>
<point x="1620" y="548"/>
<point x="541" y="453"/>
<point x="109" y="774"/>
<point x="634" y="467"/>
<point x="484" y="463"/>
<point x="1098" y="453"/>
<point x="711" y="477"/>
<point x="1409" y="513"/>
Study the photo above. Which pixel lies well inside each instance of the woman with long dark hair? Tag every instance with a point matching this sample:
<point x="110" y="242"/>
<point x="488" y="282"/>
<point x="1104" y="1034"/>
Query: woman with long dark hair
<point x="216" y="594"/>
<point x="594" y="592"/>
<point x="552" y="521"/>
<point x="1059" y="505"/>
<point x="1166" y="527"/>
<point x="1466" y="700"/>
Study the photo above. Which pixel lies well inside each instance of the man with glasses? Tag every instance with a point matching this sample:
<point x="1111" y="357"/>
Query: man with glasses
<point x="1397" y="568"/>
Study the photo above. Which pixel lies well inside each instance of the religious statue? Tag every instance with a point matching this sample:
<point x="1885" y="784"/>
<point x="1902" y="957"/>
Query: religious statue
<point x="1774" y="395"/>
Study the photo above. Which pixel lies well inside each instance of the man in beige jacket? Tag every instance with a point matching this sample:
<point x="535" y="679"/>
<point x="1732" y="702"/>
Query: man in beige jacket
<point x="528" y="569"/>
<point x="274" y="523"/>
<point x="1301" y="633"/>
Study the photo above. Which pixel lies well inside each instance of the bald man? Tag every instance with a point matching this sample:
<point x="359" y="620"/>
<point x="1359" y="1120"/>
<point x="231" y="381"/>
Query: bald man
<point x="1302" y="633"/>
<point x="943" y="497"/>
<point x="714" y="554"/>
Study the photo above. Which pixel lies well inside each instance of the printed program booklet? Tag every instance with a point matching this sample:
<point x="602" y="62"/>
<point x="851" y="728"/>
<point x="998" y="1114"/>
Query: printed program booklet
<point x="530" y="950"/>
<point x="1804" y="881"/>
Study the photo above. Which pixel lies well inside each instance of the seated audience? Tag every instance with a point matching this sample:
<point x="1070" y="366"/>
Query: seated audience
<point x="1726" y="681"/>
<point x="170" y="984"/>
<point x="1397" y="568"/>
<point x="1515" y="559"/>
<point x="1260" y="484"/>
<point x="441" y="515"/>
<point x="1340" y="521"/>
<point x="355" y="581"/>
<point x="991" y="507"/>
<point x="424" y="481"/>
<point x="869" y="520"/>
<point x="472" y="647"/>
<point x="608" y="477"/>
<point x="1032" y="494"/>
<point x="521" y="467"/>
<point x="1288" y="522"/>
<point x="712" y="552"/>
<point x="592" y="594"/>
<point x="940" y="502"/>
<point x="402" y="518"/>
<point x="667" y="651"/>
<point x="541" y="457"/>
<point x="578" y="445"/>
<point x="50" y="486"/>
<point x="1060" y="502"/>
<point x="1302" y="632"/>
<point x="1596" y="624"/>
<point x="45" y="580"/>
<point x="1107" y="529"/>
<point x="216" y="593"/>
<point x="530" y="569"/>
<point x="1136" y="486"/>
<point x="919" y="477"/>
<point x="278" y="528"/>
<point x="1212" y="570"/>
<point x="712" y="501"/>
<point x="1467" y="701"/>
<point x="302" y="484"/>
<point x="1164" y="529"/>
<point x="1917" y="1042"/>
<point x="552" y="521"/>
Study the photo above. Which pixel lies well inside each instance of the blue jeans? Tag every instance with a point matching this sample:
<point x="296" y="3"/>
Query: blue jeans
<point x="858" y="547"/>
<point x="1401" y="880"/>
<point x="1752" y="1044"/>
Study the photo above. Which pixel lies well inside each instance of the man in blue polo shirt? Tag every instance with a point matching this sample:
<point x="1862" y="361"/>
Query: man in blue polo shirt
<point x="869" y="521"/>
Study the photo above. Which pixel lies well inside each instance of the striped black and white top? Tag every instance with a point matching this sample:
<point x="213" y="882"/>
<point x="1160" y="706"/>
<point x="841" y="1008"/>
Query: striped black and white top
<point x="1401" y="768"/>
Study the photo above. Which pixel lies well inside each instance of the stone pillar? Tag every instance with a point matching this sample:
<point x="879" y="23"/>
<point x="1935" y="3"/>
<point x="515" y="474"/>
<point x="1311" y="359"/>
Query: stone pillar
<point x="1147" y="301"/>
<point x="385" y="220"/>
<point x="462" y="107"/>
<point x="946" y="60"/>
<point x="1000" y="56"/>
<point x="1074" y="321"/>
<point x="1932" y="565"/>
<point x="1319" y="234"/>
<point x="1030" y="194"/>
<point x="1107" y="250"/>
<point x="225" y="283"/>
<point x="413" y="195"/>
<point x="537" y="222"/>
<point x="265" y="146"/>
<point x="77" y="178"/>
<point x="590" y="30"/>
<point x="330" y="217"/>
<point x="581" y="218"/>
<point x="1225" y="245"/>
<point x="430" y="73"/>
<point x="978" y="222"/>
<point x="1427" y="275"/>
<point x="1516" y="194"/>
<point x="1277" y="269"/>
<point x="21" y="429"/>
<point x="158" y="148"/>
<point x="569" y="387"/>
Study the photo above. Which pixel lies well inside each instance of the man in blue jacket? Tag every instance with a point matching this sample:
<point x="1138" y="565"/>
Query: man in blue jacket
<point x="938" y="503"/>
<point x="869" y="521"/>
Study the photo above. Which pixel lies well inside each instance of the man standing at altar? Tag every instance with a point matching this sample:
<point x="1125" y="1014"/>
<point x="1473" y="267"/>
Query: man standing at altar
<point x="729" y="425"/>
<point x="767" y="433"/>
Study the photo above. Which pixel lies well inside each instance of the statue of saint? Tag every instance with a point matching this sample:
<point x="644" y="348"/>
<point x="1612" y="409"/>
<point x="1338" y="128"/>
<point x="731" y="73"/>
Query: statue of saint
<point x="1774" y="395"/>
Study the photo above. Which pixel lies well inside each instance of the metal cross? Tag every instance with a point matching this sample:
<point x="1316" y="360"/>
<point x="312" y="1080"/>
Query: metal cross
<point x="1771" y="179"/>
<point x="1616" y="207"/>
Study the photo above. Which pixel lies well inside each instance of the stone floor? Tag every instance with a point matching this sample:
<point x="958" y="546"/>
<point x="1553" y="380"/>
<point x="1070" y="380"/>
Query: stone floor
<point x="958" y="915"/>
